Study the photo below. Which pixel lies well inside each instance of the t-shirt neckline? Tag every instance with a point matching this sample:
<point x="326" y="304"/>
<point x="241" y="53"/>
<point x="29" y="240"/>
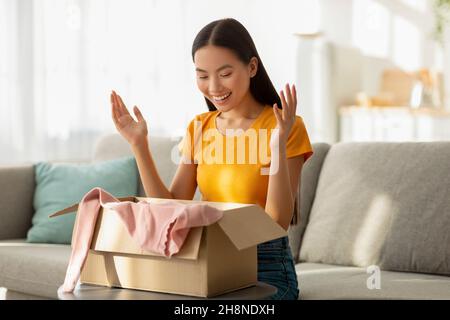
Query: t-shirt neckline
<point x="251" y="126"/>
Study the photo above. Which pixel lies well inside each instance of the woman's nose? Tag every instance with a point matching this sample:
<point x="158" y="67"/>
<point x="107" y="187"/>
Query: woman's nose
<point x="215" y="85"/>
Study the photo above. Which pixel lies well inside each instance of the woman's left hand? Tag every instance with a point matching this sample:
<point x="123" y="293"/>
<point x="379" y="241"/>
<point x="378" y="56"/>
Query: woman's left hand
<point x="285" y="116"/>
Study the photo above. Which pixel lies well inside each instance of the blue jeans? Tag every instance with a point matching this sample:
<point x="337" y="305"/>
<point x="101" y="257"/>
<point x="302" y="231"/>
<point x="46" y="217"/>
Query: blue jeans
<point x="276" y="267"/>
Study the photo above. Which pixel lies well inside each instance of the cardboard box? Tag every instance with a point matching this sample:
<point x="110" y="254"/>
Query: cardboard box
<point x="214" y="260"/>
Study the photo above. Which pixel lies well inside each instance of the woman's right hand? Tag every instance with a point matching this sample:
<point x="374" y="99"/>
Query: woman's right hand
<point x="134" y="132"/>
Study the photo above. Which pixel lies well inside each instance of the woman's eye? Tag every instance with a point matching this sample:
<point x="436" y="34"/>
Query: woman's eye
<point x="223" y="76"/>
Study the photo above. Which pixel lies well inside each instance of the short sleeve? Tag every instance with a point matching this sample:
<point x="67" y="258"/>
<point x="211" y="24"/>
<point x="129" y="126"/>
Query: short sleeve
<point x="298" y="142"/>
<point x="185" y="146"/>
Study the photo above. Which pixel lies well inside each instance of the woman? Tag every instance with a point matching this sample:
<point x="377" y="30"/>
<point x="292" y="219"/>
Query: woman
<point x="241" y="99"/>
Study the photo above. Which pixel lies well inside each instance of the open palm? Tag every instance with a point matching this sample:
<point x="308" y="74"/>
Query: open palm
<point x="286" y="116"/>
<point x="133" y="131"/>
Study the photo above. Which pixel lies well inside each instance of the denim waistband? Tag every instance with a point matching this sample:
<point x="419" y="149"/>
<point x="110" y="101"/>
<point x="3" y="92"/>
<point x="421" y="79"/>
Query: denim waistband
<point x="280" y="243"/>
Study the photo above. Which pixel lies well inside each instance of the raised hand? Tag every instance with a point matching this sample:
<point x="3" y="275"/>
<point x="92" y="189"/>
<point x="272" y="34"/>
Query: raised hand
<point x="285" y="116"/>
<point x="134" y="132"/>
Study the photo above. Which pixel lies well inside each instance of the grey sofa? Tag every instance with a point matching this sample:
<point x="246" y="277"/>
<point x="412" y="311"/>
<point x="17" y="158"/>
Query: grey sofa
<point x="375" y="222"/>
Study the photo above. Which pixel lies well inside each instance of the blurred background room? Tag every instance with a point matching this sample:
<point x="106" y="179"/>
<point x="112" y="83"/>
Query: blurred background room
<point x="366" y="70"/>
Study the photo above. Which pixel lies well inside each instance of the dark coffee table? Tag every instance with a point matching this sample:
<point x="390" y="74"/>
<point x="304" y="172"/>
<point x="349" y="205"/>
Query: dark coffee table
<point x="91" y="292"/>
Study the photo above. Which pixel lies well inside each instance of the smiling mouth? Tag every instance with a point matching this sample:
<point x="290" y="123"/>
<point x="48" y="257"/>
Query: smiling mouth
<point x="221" y="98"/>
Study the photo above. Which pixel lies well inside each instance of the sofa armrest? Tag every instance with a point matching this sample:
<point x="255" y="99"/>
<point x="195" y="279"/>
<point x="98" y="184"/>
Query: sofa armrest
<point x="17" y="184"/>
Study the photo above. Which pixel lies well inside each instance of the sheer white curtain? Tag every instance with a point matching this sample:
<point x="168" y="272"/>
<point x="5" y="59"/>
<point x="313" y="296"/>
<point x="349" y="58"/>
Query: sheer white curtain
<point x="12" y="70"/>
<point x="62" y="58"/>
<point x="59" y="60"/>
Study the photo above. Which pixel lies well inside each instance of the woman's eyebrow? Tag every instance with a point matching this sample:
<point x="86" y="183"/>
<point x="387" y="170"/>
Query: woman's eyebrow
<point x="222" y="67"/>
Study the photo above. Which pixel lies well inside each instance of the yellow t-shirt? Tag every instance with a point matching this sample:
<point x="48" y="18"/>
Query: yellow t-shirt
<point x="229" y="168"/>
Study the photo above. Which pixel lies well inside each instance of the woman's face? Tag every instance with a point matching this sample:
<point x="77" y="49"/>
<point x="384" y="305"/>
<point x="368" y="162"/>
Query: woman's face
<point x="222" y="77"/>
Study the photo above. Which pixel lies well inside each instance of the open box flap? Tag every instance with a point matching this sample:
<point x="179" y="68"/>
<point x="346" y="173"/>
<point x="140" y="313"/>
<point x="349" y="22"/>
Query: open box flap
<point x="120" y="241"/>
<point x="250" y="225"/>
<point x="218" y="205"/>
<point x="245" y="224"/>
<point x="111" y="235"/>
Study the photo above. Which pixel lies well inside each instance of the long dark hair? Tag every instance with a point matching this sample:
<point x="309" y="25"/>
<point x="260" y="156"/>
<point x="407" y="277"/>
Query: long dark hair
<point x="230" y="33"/>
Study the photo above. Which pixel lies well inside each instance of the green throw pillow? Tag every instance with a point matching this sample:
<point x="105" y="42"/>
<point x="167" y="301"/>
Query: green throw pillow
<point x="61" y="185"/>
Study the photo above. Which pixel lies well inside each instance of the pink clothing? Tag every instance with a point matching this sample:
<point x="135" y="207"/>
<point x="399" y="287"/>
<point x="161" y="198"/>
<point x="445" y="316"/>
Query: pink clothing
<point x="156" y="227"/>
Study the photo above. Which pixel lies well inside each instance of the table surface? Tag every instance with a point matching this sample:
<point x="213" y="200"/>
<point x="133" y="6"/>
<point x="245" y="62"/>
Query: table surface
<point x="92" y="292"/>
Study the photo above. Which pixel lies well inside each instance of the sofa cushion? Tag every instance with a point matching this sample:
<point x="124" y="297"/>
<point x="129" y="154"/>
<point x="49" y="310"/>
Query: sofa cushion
<point x="33" y="268"/>
<point x="323" y="281"/>
<point x="306" y="193"/>
<point x="15" y="216"/>
<point x="384" y="204"/>
<point x="61" y="185"/>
